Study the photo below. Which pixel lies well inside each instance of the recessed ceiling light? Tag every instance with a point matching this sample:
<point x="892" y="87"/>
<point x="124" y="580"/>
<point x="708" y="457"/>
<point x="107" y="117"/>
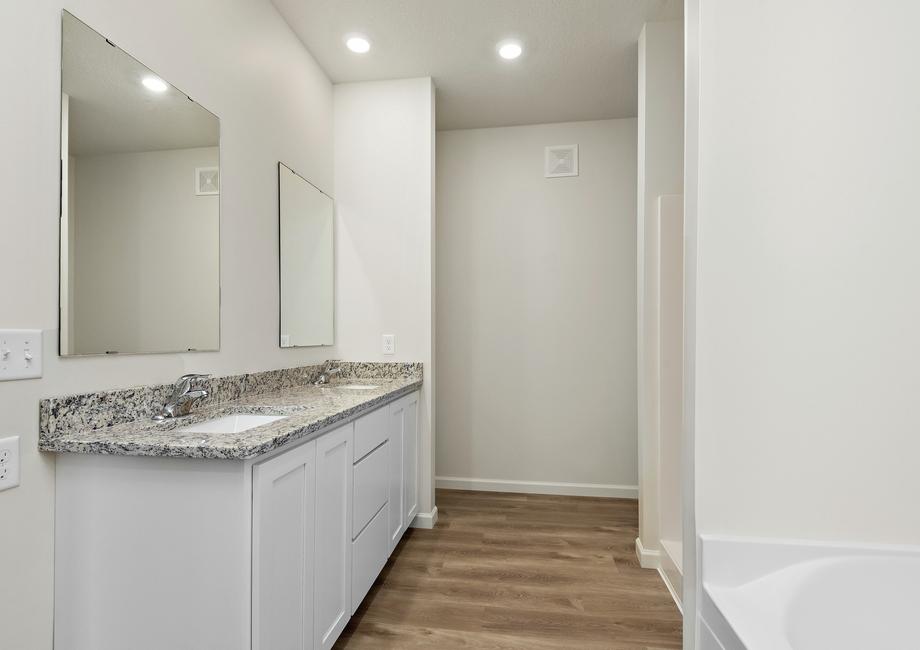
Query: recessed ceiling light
<point x="155" y="84"/>
<point x="510" y="49"/>
<point x="358" y="44"/>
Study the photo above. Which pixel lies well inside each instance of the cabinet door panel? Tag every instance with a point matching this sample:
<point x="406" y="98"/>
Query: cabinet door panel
<point x="395" y="520"/>
<point x="282" y="550"/>
<point x="411" y="459"/>
<point x="333" y="534"/>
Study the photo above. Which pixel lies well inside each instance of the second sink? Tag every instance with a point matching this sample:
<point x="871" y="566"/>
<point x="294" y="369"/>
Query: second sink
<point x="231" y="423"/>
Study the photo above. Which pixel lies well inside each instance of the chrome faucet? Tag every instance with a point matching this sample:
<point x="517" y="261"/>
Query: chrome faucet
<point x="182" y="398"/>
<point x="326" y="376"/>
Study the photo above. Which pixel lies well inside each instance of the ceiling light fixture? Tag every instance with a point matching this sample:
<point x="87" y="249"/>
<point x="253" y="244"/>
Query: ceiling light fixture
<point x="155" y="84"/>
<point x="510" y="50"/>
<point x="358" y="44"/>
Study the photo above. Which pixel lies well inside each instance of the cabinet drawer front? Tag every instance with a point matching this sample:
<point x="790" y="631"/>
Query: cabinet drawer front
<point x="370" y="431"/>
<point x="371" y="486"/>
<point x="369" y="556"/>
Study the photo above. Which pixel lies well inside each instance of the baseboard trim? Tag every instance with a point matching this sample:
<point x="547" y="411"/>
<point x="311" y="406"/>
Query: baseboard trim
<point x="539" y="487"/>
<point x="426" y="520"/>
<point x="648" y="559"/>
<point x="674" y="595"/>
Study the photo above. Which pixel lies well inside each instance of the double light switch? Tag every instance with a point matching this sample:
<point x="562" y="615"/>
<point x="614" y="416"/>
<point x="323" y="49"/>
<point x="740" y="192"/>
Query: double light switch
<point x="20" y="354"/>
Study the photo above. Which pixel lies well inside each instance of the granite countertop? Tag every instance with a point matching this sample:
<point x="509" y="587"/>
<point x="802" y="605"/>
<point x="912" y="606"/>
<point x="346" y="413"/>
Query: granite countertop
<point x="308" y="409"/>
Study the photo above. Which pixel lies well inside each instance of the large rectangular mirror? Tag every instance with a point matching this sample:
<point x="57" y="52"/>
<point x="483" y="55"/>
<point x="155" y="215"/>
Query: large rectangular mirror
<point x="307" y="280"/>
<point x="140" y="183"/>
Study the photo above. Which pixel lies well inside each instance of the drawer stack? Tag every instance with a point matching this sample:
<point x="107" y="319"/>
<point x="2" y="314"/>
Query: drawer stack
<point x="371" y="489"/>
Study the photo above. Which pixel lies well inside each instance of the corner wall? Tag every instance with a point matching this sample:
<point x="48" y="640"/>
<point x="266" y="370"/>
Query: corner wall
<point x="384" y="148"/>
<point x="807" y="301"/>
<point x="536" y="311"/>
<point x="238" y="59"/>
<point x="660" y="160"/>
<point x="807" y="309"/>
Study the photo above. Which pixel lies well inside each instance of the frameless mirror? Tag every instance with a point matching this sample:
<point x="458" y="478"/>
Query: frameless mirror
<point x="140" y="183"/>
<point x="307" y="280"/>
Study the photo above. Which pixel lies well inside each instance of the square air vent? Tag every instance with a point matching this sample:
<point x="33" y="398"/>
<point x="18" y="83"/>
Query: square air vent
<point x="207" y="181"/>
<point x="561" y="160"/>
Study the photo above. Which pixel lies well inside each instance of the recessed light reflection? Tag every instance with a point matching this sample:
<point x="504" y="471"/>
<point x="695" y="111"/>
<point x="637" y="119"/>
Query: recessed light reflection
<point x="155" y="84"/>
<point x="358" y="44"/>
<point x="510" y="50"/>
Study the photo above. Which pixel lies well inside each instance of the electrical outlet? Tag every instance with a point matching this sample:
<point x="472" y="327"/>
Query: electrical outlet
<point x="9" y="462"/>
<point x="389" y="344"/>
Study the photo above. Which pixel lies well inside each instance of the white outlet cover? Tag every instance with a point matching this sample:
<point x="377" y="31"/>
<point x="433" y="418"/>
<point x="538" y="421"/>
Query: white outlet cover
<point x="9" y="462"/>
<point x="389" y="344"/>
<point x="20" y="354"/>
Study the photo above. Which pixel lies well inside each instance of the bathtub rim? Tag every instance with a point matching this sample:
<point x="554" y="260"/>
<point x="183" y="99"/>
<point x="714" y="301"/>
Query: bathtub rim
<point x="731" y="561"/>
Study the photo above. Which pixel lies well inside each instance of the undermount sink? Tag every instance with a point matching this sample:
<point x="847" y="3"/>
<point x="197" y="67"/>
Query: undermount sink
<point x="231" y="423"/>
<point x="358" y="386"/>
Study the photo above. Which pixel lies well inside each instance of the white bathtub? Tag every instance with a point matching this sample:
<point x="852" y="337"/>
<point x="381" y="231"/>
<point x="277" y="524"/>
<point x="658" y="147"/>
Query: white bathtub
<point x="781" y="595"/>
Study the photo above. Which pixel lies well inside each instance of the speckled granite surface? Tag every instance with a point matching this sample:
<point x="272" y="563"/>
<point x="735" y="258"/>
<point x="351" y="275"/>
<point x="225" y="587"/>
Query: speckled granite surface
<point x="118" y="422"/>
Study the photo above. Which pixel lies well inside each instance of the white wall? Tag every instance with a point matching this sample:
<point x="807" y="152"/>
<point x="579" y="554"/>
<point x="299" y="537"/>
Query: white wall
<point x="145" y="279"/>
<point x="384" y="147"/>
<point x="239" y="60"/>
<point x="670" y="355"/>
<point x="691" y="583"/>
<point x="807" y="299"/>
<point x="660" y="160"/>
<point x="536" y="309"/>
<point x="808" y="313"/>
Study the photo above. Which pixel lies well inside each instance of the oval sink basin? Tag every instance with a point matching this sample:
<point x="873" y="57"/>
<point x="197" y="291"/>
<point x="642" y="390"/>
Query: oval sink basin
<point x="358" y="387"/>
<point x="231" y="423"/>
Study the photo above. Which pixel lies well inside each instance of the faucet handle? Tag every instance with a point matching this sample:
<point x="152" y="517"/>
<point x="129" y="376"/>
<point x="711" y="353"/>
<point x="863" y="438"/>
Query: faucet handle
<point x="185" y="381"/>
<point x="184" y="384"/>
<point x="192" y="377"/>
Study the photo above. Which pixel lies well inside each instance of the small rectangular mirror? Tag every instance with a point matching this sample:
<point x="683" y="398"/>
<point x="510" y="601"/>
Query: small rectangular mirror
<point x="307" y="268"/>
<point x="140" y="206"/>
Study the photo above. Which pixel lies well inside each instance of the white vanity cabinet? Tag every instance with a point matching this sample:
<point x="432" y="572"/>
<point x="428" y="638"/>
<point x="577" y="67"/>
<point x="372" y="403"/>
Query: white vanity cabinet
<point x="301" y="511"/>
<point x="284" y="525"/>
<point x="301" y="544"/>
<point x="273" y="553"/>
<point x="386" y="488"/>
<point x="332" y="557"/>
<point x="404" y="467"/>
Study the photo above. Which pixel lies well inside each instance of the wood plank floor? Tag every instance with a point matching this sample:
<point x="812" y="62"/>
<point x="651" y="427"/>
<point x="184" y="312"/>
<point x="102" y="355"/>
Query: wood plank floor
<point x="504" y="571"/>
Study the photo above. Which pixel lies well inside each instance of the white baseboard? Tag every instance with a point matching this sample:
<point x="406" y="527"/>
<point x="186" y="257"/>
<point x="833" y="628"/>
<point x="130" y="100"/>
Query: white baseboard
<point x="539" y="487"/>
<point x="648" y="559"/>
<point x="426" y="520"/>
<point x="669" y="568"/>
<point x="671" y="589"/>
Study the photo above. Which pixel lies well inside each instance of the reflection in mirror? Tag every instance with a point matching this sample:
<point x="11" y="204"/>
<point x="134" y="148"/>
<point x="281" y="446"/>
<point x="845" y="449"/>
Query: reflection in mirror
<point x="307" y="281"/>
<point x="140" y="269"/>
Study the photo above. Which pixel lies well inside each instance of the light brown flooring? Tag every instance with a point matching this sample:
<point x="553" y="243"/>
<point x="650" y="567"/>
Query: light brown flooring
<point x="505" y="571"/>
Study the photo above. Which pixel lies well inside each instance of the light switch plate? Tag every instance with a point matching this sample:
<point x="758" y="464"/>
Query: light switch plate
<point x="9" y="462"/>
<point x="20" y="354"/>
<point x="389" y="344"/>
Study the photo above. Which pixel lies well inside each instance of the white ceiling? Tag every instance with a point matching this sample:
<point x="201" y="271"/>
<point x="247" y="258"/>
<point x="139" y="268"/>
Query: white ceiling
<point x="111" y="112"/>
<point x="579" y="63"/>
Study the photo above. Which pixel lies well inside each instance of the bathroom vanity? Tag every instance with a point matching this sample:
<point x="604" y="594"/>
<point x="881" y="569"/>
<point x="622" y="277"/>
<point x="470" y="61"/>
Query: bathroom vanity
<point x="260" y="518"/>
<point x="187" y="535"/>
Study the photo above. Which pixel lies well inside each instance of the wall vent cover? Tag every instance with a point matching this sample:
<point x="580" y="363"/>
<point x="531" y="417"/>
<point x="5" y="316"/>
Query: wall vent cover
<point x="207" y="181"/>
<point x="561" y="160"/>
